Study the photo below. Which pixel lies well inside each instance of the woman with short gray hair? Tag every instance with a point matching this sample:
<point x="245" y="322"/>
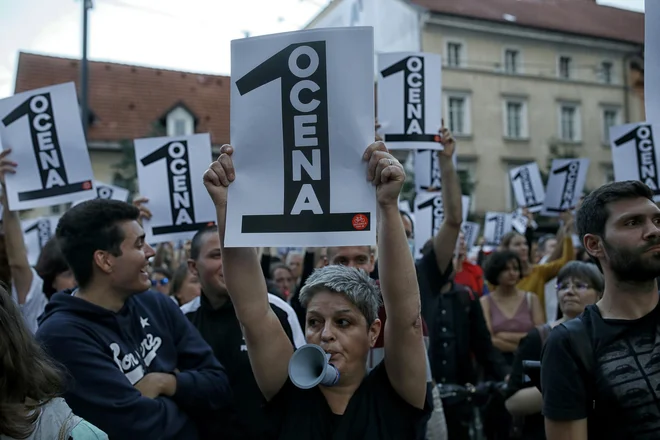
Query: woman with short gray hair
<point x="392" y="401"/>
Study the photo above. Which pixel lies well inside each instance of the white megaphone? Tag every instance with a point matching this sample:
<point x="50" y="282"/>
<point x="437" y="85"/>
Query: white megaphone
<point x="309" y="366"/>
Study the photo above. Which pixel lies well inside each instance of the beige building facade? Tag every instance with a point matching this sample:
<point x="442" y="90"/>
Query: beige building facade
<point x="513" y="94"/>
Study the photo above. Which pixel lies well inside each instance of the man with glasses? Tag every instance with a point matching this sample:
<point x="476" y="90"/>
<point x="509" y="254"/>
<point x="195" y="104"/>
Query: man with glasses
<point x="160" y="280"/>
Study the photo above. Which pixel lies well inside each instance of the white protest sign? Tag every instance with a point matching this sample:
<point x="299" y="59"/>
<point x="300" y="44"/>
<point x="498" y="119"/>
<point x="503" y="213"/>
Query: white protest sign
<point x="429" y="213"/>
<point x="495" y="226"/>
<point x="565" y="185"/>
<point x="36" y="233"/>
<point x="311" y="95"/>
<point x="465" y="204"/>
<point x="652" y="59"/>
<point x="409" y="100"/>
<point x="170" y="171"/>
<point x="471" y="232"/>
<point x="44" y="131"/>
<point x="107" y="191"/>
<point x="404" y="206"/>
<point x="519" y="222"/>
<point x="427" y="170"/>
<point x="528" y="186"/>
<point x="634" y="155"/>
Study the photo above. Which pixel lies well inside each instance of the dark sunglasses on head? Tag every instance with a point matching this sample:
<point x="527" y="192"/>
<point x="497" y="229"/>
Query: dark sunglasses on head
<point x="162" y="282"/>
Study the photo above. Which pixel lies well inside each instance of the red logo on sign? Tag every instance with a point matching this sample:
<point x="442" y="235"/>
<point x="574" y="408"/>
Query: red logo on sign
<point x="360" y="221"/>
<point x="87" y="185"/>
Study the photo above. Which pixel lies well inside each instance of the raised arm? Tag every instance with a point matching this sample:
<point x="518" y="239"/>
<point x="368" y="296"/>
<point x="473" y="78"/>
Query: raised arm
<point x="268" y="346"/>
<point x="21" y="272"/>
<point x="444" y="242"/>
<point x="405" y="355"/>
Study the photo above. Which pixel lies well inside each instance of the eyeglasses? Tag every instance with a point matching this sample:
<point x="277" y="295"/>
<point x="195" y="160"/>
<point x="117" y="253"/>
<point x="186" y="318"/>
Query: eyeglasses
<point x="579" y="287"/>
<point x="163" y="282"/>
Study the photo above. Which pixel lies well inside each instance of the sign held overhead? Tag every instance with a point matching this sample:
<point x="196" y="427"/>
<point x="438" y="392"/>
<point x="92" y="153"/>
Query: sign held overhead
<point x="44" y="131"/>
<point x="310" y="93"/>
<point x="409" y="100"/>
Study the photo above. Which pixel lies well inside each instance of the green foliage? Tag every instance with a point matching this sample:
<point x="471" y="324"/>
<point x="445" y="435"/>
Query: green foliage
<point x="125" y="174"/>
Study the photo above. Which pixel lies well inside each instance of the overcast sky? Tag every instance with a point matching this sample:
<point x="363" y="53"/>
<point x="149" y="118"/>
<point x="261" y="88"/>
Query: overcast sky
<point x="156" y="33"/>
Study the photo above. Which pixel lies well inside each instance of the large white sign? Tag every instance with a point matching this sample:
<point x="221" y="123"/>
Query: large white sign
<point x="36" y="233"/>
<point x="301" y="118"/>
<point x="107" y="191"/>
<point x="409" y="98"/>
<point x="565" y="185"/>
<point x="528" y="186"/>
<point x="44" y="131"/>
<point x="170" y="174"/>
<point x="495" y="226"/>
<point x="429" y="215"/>
<point x="652" y="60"/>
<point x="428" y="175"/>
<point x="471" y="232"/>
<point x="635" y="156"/>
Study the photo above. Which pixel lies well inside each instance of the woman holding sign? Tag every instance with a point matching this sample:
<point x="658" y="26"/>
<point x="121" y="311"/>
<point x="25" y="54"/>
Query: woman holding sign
<point x="389" y="402"/>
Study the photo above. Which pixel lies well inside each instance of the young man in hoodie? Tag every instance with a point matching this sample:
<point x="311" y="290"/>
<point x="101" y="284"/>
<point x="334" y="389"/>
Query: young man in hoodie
<point x="138" y="368"/>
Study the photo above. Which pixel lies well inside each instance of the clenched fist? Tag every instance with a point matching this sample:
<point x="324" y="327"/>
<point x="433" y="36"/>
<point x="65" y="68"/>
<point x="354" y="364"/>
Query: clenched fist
<point x="220" y="175"/>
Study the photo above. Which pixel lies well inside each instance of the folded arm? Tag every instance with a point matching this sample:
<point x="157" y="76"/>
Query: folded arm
<point x="202" y="383"/>
<point x="100" y="393"/>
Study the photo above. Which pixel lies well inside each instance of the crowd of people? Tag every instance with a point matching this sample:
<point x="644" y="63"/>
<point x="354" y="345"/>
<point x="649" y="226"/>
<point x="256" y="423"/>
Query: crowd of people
<point x="107" y="337"/>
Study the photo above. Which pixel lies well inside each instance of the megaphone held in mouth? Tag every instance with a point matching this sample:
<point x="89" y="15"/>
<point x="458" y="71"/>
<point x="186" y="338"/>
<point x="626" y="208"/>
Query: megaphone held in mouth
<point x="310" y="366"/>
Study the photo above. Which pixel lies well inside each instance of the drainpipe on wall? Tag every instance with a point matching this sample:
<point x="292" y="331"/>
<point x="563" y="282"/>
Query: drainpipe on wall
<point x="626" y="87"/>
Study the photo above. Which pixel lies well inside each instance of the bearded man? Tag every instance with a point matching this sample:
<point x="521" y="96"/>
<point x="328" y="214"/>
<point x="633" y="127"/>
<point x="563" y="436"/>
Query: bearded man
<point x="600" y="373"/>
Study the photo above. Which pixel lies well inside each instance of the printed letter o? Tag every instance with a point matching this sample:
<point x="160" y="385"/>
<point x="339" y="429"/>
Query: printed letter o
<point x="313" y="61"/>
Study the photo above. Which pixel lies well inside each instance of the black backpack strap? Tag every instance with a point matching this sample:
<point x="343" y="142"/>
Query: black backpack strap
<point x="581" y="344"/>
<point x="584" y="352"/>
<point x="544" y="331"/>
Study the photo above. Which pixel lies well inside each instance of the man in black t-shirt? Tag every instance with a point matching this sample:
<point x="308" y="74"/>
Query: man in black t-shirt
<point x="607" y="384"/>
<point x="214" y="316"/>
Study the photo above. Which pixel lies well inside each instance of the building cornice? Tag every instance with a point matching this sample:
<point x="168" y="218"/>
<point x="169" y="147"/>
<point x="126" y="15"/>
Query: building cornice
<point x="529" y="33"/>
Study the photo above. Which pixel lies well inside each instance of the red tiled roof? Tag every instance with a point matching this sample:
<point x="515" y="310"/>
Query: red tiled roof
<point x="582" y="17"/>
<point x="127" y="100"/>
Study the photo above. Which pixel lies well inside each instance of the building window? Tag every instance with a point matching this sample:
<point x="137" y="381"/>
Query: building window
<point x="511" y="60"/>
<point x="179" y="127"/>
<point x="569" y="123"/>
<point x="608" y="174"/>
<point x="457" y="113"/>
<point x="610" y="118"/>
<point x="564" y="67"/>
<point x="56" y="210"/>
<point x="454" y="54"/>
<point x="180" y="122"/>
<point x="515" y="119"/>
<point x="606" y="72"/>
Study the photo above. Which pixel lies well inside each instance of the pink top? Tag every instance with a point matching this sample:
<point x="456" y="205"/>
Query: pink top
<point x="521" y="322"/>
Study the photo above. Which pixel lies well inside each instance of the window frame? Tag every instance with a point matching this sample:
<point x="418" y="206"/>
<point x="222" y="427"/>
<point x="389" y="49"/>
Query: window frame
<point x="467" y="112"/>
<point x="524" y="118"/>
<point x="577" y="123"/>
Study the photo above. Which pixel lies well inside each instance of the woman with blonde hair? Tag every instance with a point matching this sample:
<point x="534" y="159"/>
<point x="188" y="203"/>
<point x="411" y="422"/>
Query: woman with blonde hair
<point x="30" y="385"/>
